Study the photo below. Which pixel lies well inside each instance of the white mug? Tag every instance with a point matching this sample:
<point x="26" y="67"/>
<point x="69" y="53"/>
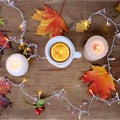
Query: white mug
<point x="73" y="53"/>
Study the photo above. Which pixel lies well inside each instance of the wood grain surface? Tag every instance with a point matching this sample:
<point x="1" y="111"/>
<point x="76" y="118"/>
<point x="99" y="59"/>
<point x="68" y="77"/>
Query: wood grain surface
<point x="46" y="77"/>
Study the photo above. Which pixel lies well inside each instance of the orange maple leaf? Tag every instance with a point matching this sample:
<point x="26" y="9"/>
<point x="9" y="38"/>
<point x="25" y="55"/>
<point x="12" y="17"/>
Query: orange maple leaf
<point x="100" y="81"/>
<point x="50" y="22"/>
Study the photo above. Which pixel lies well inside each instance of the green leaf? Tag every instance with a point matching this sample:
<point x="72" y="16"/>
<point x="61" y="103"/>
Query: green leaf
<point x="40" y="102"/>
<point x="2" y="22"/>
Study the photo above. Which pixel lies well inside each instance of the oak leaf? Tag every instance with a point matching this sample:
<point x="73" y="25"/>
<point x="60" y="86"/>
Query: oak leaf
<point x="82" y="26"/>
<point x="100" y="81"/>
<point x="50" y="22"/>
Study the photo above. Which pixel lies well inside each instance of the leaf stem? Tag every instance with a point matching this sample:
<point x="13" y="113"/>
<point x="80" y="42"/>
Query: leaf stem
<point x="62" y="7"/>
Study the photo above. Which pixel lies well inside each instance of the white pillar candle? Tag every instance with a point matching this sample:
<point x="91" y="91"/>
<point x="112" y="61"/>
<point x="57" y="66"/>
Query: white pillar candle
<point x="95" y="48"/>
<point x="17" y="64"/>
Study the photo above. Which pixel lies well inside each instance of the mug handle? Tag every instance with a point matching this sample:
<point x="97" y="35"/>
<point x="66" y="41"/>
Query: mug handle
<point x="77" y="55"/>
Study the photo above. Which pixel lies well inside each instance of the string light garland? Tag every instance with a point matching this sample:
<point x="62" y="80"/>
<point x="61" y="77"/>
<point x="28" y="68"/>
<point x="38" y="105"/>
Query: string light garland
<point x="109" y="21"/>
<point x="116" y="36"/>
<point x="20" y="41"/>
<point x="81" y="111"/>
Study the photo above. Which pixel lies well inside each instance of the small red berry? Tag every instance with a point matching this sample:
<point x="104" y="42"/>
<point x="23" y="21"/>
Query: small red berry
<point x="37" y="111"/>
<point x="40" y="109"/>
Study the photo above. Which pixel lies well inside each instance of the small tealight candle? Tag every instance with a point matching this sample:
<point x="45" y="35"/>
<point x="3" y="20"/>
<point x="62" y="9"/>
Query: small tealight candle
<point x="59" y="52"/>
<point x="17" y="64"/>
<point x="95" y="48"/>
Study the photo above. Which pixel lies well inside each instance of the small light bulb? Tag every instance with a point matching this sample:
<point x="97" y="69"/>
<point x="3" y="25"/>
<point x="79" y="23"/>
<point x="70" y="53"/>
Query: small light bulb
<point x="118" y="35"/>
<point x="112" y="59"/>
<point x="39" y="94"/>
<point x="108" y="24"/>
<point x="90" y="91"/>
<point x="6" y="39"/>
<point x="24" y="80"/>
<point x="21" y="27"/>
<point x="79" y="117"/>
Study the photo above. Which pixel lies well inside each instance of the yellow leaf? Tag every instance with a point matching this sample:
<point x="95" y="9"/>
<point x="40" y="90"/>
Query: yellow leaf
<point x="39" y="15"/>
<point x="118" y="7"/>
<point x="82" y="26"/>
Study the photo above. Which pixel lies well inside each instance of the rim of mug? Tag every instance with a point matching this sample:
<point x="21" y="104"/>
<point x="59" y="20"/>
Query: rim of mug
<point x="63" y="40"/>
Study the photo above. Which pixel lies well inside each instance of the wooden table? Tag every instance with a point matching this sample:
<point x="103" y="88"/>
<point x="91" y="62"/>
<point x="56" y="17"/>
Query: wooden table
<point x="44" y="76"/>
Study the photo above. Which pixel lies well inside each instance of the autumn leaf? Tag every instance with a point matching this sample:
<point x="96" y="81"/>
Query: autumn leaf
<point x="100" y="81"/>
<point x="3" y="40"/>
<point x="118" y="7"/>
<point x="82" y="26"/>
<point x="4" y="87"/>
<point x="4" y="102"/>
<point x="50" y="22"/>
<point x="2" y="22"/>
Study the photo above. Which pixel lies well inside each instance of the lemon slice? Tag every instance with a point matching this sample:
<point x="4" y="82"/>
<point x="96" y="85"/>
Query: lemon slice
<point x="60" y="52"/>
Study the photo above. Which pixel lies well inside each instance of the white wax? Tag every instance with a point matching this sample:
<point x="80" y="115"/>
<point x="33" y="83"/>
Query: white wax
<point x="17" y="64"/>
<point x="95" y="48"/>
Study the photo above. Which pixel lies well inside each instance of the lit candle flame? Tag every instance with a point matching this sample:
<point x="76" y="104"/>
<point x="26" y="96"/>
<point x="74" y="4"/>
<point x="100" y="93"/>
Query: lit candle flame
<point x="96" y="48"/>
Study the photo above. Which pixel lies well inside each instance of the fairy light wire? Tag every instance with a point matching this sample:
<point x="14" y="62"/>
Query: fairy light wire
<point x="24" y="23"/>
<point x="20" y="40"/>
<point x="116" y="36"/>
<point x="60" y="94"/>
<point x="54" y="94"/>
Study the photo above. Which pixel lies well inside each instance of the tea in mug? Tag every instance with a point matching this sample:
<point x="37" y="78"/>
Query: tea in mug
<point x="59" y="52"/>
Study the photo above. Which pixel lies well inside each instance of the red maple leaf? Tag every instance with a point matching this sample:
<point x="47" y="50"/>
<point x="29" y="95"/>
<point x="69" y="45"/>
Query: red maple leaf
<point x="100" y="81"/>
<point x="4" y="87"/>
<point x="50" y="22"/>
<point x="4" y="102"/>
<point x="3" y="40"/>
